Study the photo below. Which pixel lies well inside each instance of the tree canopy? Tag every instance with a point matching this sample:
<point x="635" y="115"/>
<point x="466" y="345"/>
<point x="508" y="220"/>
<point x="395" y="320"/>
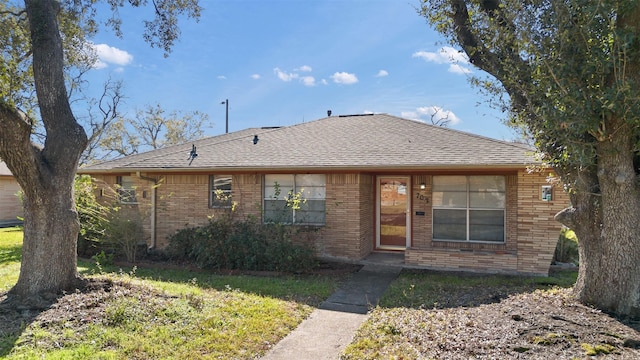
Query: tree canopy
<point x="151" y="128"/>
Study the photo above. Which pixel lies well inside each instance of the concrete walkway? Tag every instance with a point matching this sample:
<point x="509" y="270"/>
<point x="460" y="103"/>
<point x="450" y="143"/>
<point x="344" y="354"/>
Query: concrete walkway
<point x="10" y="223"/>
<point x="331" y="327"/>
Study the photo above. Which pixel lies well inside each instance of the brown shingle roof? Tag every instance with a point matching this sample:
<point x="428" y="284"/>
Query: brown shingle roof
<point x="361" y="142"/>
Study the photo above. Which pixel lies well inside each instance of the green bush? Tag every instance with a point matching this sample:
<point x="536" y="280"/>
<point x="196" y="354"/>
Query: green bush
<point x="567" y="247"/>
<point x="92" y="215"/>
<point x="124" y="233"/>
<point x="243" y="244"/>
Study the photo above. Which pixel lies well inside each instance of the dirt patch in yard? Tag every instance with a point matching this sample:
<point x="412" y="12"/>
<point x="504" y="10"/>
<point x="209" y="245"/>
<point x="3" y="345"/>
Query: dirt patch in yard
<point x="498" y="323"/>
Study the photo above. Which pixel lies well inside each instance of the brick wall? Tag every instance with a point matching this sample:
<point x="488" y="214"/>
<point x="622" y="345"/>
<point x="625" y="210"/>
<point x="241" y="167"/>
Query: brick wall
<point x="537" y="230"/>
<point x="10" y="205"/>
<point x="183" y="200"/>
<point x="349" y="221"/>
<point x="531" y="232"/>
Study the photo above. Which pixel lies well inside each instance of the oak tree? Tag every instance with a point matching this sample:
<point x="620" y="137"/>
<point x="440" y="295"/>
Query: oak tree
<point x="151" y="128"/>
<point x="40" y="39"/>
<point x="571" y="70"/>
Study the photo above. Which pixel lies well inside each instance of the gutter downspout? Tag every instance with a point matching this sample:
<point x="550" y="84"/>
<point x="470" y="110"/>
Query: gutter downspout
<point x="153" y="207"/>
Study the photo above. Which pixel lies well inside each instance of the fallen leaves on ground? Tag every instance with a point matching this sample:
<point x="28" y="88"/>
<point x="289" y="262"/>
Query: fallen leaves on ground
<point x="542" y="324"/>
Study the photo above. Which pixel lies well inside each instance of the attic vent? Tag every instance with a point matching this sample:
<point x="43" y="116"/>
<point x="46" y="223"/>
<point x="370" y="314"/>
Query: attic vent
<point x="356" y="115"/>
<point x="270" y="127"/>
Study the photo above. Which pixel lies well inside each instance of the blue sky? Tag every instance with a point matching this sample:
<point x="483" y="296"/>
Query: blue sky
<point x="282" y="62"/>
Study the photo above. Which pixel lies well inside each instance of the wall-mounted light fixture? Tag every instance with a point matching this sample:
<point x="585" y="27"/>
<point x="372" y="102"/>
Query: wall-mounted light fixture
<point x="423" y="186"/>
<point x="547" y="193"/>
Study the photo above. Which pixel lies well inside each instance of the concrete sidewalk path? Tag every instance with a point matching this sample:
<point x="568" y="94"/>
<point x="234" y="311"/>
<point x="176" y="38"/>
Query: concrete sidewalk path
<point x="331" y="327"/>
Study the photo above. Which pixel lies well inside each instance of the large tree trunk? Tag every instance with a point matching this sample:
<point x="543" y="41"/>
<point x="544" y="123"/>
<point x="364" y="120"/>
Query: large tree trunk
<point x="608" y="229"/>
<point x="45" y="174"/>
<point x="50" y="238"/>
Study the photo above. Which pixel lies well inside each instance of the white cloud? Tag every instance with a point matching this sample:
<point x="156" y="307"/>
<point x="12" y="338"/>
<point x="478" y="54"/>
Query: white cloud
<point x="308" y="80"/>
<point x="431" y="114"/>
<point x="284" y="76"/>
<point x="255" y="76"/>
<point x="344" y="78"/>
<point x="304" y="68"/>
<point x="382" y="73"/>
<point x="457" y="69"/>
<point x="222" y="77"/>
<point x="458" y="60"/>
<point x="324" y="82"/>
<point x="110" y="55"/>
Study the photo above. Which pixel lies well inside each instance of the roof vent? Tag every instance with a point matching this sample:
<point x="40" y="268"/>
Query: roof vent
<point x="328" y="113"/>
<point x="371" y="114"/>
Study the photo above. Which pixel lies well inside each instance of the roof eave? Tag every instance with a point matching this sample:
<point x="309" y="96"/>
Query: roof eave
<point x="429" y="167"/>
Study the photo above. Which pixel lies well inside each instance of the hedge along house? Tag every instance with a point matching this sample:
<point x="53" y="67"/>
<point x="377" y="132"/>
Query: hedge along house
<point x="444" y="198"/>
<point x="10" y="204"/>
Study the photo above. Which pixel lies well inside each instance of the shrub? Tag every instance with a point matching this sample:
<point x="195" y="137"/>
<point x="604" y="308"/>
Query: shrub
<point x="244" y="245"/>
<point x="124" y="233"/>
<point x="567" y="247"/>
<point x="92" y="215"/>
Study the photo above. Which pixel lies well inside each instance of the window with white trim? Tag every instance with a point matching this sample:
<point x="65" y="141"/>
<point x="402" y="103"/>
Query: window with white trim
<point x="126" y="190"/>
<point x="220" y="191"/>
<point x="469" y="208"/>
<point x="295" y="199"/>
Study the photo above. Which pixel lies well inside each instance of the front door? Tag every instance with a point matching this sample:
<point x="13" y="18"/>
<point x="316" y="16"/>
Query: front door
<point x="393" y="213"/>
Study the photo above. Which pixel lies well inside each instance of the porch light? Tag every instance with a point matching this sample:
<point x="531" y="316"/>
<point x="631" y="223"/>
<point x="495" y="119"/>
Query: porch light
<point x="423" y="186"/>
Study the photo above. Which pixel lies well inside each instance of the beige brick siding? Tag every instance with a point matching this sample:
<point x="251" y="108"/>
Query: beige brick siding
<point x="531" y="233"/>
<point x="10" y="204"/>
<point x="537" y="230"/>
<point x="349" y="221"/>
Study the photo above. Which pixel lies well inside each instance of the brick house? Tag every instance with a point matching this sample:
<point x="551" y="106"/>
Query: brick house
<point x="444" y="198"/>
<point x="10" y="204"/>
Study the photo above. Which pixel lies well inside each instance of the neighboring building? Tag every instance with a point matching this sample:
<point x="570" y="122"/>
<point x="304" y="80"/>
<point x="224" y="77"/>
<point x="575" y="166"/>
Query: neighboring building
<point x="445" y="198"/>
<point x="10" y="204"/>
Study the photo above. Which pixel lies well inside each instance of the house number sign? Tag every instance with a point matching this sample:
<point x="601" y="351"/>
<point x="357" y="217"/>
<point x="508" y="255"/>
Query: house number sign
<point x="422" y="197"/>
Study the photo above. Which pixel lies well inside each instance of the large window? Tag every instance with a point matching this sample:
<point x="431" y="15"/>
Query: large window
<point x="294" y="199"/>
<point x="469" y="208"/>
<point x="126" y="190"/>
<point x="220" y="191"/>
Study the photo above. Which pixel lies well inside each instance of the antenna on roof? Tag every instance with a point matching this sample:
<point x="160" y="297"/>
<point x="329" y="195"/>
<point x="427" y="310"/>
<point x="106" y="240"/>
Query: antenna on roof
<point x="192" y="154"/>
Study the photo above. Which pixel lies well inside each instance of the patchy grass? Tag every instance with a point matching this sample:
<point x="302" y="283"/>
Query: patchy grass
<point x="433" y="315"/>
<point x="142" y="313"/>
<point x="308" y="289"/>
<point x="419" y="289"/>
<point x="125" y="318"/>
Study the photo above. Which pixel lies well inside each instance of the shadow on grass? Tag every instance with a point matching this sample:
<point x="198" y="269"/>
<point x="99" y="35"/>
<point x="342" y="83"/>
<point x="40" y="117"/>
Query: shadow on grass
<point x="424" y="289"/>
<point x="310" y="289"/>
<point x="9" y="254"/>
<point x="16" y="314"/>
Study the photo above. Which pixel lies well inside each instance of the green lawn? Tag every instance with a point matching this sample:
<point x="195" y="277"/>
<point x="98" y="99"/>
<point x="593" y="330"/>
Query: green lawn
<point x="146" y="313"/>
<point x="10" y="255"/>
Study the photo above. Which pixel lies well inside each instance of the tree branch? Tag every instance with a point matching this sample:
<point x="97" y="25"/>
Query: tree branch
<point x="65" y="137"/>
<point x="16" y="149"/>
